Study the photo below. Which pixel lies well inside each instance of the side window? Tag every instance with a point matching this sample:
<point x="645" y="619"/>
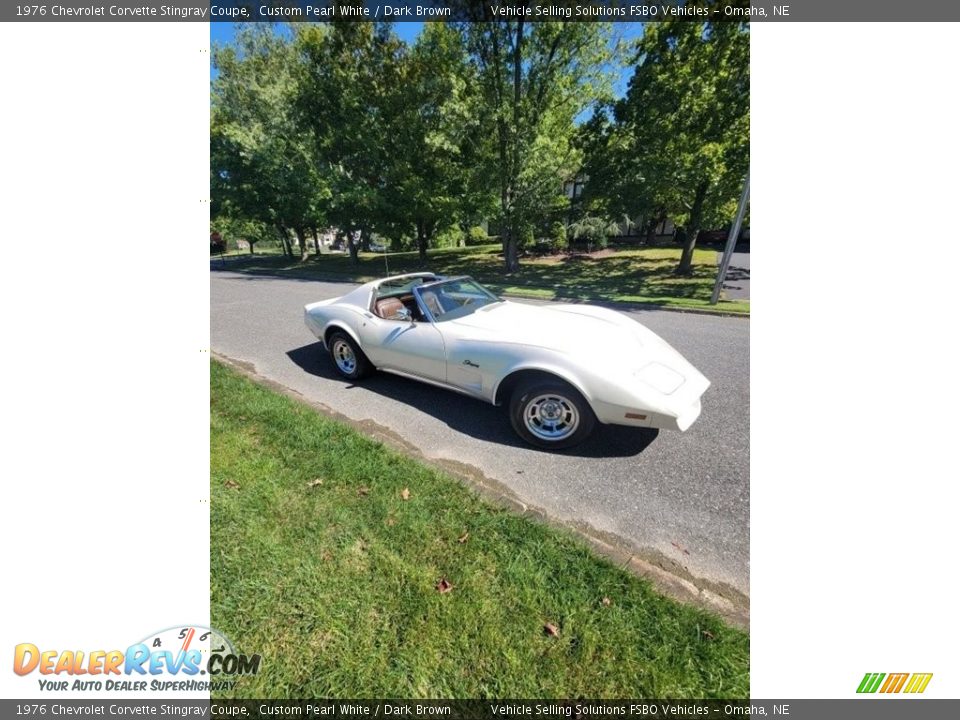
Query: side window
<point x="389" y="308"/>
<point x="396" y="301"/>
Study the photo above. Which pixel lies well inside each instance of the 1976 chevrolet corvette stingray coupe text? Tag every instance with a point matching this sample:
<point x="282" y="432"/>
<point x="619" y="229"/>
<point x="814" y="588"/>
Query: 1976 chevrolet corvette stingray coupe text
<point x="559" y="368"/>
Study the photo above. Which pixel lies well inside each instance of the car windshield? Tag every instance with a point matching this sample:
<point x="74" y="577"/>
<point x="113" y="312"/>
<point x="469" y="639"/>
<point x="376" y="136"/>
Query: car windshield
<point x="452" y="299"/>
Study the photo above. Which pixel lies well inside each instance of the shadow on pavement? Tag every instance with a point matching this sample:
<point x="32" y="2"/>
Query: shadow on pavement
<point x="469" y="416"/>
<point x="735" y="273"/>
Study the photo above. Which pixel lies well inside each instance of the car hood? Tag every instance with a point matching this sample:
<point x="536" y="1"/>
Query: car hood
<point x="576" y="330"/>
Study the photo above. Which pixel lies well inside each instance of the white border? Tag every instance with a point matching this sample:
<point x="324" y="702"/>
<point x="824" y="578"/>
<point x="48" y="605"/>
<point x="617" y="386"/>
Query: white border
<point x="854" y="359"/>
<point x="105" y="296"/>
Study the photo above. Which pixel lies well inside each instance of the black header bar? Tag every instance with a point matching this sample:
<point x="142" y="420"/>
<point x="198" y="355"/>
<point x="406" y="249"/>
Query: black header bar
<point x="873" y="708"/>
<point x="479" y="10"/>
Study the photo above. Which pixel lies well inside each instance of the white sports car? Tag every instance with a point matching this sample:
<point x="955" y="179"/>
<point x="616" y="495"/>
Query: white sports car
<point x="559" y="368"/>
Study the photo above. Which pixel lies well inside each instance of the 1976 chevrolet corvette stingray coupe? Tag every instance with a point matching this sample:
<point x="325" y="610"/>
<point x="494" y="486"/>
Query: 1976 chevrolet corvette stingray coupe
<point x="559" y="368"/>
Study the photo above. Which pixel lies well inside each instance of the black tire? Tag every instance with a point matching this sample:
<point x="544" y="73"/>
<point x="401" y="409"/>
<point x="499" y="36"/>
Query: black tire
<point x="348" y="359"/>
<point x="551" y="414"/>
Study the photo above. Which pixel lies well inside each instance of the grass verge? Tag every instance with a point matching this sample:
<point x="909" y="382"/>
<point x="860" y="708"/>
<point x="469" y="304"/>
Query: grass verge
<point x="326" y="553"/>
<point x="635" y="275"/>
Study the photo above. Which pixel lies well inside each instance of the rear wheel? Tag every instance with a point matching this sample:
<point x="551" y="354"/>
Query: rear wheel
<point x="551" y="414"/>
<point x="348" y="359"/>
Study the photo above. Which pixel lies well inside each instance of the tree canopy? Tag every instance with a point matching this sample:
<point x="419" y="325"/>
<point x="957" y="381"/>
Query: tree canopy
<point x="343" y="125"/>
<point x="261" y="166"/>
<point x="534" y="79"/>
<point x="678" y="143"/>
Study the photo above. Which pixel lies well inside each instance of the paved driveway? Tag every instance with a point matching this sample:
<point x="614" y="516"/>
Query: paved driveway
<point x="680" y="500"/>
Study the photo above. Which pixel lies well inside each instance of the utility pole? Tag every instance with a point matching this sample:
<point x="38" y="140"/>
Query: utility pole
<point x="731" y="240"/>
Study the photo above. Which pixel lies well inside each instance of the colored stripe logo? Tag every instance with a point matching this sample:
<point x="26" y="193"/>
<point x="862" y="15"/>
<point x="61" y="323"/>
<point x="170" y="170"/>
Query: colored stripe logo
<point x="894" y="682"/>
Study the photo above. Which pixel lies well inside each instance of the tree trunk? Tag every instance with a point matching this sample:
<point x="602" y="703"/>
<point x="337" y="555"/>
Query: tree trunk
<point x="510" y="251"/>
<point x="422" y="242"/>
<point x="285" y="240"/>
<point x="316" y="242"/>
<point x="354" y="248"/>
<point x="250" y="243"/>
<point x="510" y="254"/>
<point x="693" y="229"/>
<point x="302" y="239"/>
<point x="651" y="229"/>
<point x="366" y="237"/>
<point x="655" y="219"/>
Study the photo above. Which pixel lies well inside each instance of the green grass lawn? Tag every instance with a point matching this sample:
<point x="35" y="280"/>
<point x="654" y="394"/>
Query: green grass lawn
<point x="319" y="563"/>
<point x="259" y="249"/>
<point x="641" y="275"/>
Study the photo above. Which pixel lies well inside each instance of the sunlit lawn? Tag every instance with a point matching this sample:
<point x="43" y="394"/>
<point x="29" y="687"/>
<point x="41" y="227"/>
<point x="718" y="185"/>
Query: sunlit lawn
<point x="327" y="551"/>
<point x="643" y="275"/>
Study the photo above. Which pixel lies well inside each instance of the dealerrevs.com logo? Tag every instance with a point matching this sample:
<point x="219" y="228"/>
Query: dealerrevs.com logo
<point x="909" y="683"/>
<point x="182" y="658"/>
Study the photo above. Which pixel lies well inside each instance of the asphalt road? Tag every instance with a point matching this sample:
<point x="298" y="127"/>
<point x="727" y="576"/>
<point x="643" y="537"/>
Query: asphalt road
<point x="736" y="284"/>
<point x="681" y="497"/>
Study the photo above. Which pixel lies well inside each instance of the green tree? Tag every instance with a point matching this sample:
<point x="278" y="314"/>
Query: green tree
<point x="348" y="75"/>
<point x="235" y="228"/>
<point x="616" y="184"/>
<point x="534" y="80"/>
<point x="683" y="129"/>
<point x="432" y="129"/>
<point x="261" y="166"/>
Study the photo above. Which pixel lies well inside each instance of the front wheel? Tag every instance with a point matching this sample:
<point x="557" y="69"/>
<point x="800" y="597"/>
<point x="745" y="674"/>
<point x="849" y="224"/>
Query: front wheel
<point x="551" y="414"/>
<point x="348" y="359"/>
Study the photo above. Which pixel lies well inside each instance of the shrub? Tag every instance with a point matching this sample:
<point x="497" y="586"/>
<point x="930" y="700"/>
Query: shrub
<point x="558" y="235"/>
<point x="449" y="237"/>
<point x="593" y="231"/>
<point x="477" y="236"/>
<point x="525" y="238"/>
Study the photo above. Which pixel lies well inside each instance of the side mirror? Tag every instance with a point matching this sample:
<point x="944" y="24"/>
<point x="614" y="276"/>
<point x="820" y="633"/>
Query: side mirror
<point x="403" y="314"/>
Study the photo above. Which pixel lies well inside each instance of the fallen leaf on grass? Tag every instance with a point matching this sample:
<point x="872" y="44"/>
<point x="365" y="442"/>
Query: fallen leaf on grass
<point x="314" y="483"/>
<point x="405" y="493"/>
<point x="363" y="491"/>
<point x="708" y="635"/>
<point x="606" y="602"/>
<point x="551" y="630"/>
<point x="391" y="522"/>
<point x="444" y="586"/>
<point x="463" y="538"/>
<point x="232" y="484"/>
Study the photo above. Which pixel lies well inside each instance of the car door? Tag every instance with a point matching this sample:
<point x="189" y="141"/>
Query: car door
<point x="411" y="347"/>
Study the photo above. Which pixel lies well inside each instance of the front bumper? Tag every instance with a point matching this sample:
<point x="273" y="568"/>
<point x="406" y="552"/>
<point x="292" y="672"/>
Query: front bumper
<point x="675" y="407"/>
<point x="633" y="416"/>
